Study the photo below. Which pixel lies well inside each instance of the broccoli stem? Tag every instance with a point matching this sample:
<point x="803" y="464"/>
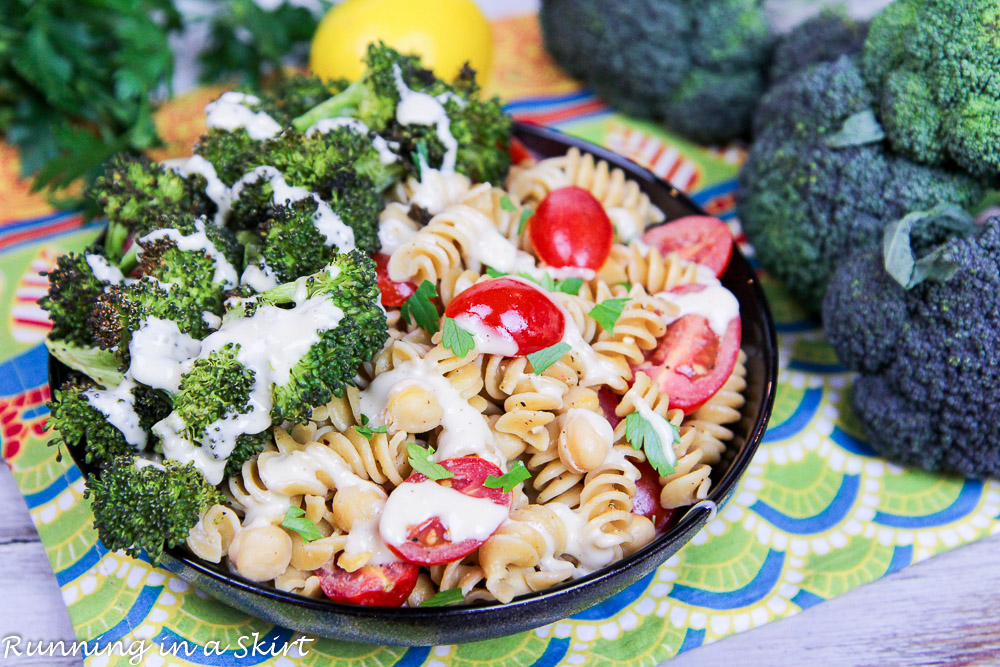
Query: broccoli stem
<point x="344" y="103"/>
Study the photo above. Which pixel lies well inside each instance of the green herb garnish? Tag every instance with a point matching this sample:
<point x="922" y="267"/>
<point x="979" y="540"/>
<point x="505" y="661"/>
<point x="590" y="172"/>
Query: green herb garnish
<point x="507" y="481"/>
<point x="544" y="358"/>
<point x="295" y="519"/>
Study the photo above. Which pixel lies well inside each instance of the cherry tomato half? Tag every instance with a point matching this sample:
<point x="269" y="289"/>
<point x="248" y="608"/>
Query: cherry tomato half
<point x="691" y="362"/>
<point x="393" y="293"/>
<point x="571" y="228"/>
<point x="516" y="310"/>
<point x="609" y="401"/>
<point x="385" y="585"/>
<point x="519" y="153"/>
<point x="427" y="543"/>
<point x="647" y="498"/>
<point x="698" y="238"/>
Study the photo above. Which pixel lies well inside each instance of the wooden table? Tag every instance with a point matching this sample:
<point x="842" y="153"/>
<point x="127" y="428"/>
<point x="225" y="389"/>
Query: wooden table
<point x="942" y="611"/>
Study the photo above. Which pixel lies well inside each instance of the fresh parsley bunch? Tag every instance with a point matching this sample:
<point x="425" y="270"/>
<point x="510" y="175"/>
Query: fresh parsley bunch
<point x="77" y="78"/>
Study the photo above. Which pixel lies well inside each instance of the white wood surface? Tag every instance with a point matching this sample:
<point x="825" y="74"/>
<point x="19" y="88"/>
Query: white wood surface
<point x="942" y="611"/>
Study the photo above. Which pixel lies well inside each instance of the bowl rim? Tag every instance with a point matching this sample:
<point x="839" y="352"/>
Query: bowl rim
<point x="177" y="560"/>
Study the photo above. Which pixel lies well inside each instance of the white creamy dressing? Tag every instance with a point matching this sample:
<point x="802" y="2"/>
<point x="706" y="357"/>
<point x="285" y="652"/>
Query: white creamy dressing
<point x="231" y="112"/>
<point x="464" y="432"/>
<point x="103" y="271"/>
<point x="463" y="517"/>
<point x="211" y="320"/>
<point x="118" y="405"/>
<point x="416" y="108"/>
<point x="160" y="353"/>
<point x="437" y="189"/>
<point x="629" y="228"/>
<point x="270" y="343"/>
<point x="487" y="339"/>
<point x="326" y="221"/>
<point x="664" y="430"/>
<point x="225" y="272"/>
<point x="714" y="302"/>
<point x="215" y="189"/>
<point x="260" y="277"/>
<point x="590" y="550"/>
<point x="385" y="153"/>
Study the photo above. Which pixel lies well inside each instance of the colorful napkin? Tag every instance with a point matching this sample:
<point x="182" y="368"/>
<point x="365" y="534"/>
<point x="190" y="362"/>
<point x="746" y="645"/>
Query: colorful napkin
<point x="816" y="515"/>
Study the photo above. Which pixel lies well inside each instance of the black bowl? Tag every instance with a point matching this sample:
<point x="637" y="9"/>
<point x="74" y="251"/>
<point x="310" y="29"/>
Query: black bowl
<point x="452" y="625"/>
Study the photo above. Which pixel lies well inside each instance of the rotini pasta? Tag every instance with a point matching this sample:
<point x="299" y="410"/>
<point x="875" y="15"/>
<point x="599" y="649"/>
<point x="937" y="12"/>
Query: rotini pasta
<point x="356" y="470"/>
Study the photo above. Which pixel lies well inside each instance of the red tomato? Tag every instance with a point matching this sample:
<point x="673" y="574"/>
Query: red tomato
<point x="647" y="498"/>
<point x="427" y="543"/>
<point x="514" y="309"/>
<point x="385" y="585"/>
<point x="519" y="153"/>
<point x="691" y="362"/>
<point x="609" y="401"/>
<point x="571" y="228"/>
<point x="698" y="238"/>
<point x="393" y="293"/>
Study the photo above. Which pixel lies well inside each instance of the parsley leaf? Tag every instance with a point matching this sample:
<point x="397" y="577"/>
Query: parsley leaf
<point x="295" y="519"/>
<point x="544" y="358"/>
<point x="420" y="461"/>
<point x="570" y="285"/>
<point x="369" y="431"/>
<point x="525" y="216"/>
<point x="444" y="598"/>
<point x="607" y="313"/>
<point x="456" y="339"/>
<point x="493" y="273"/>
<point x="507" y="481"/>
<point x="424" y="311"/>
<point x="641" y="434"/>
<point x="506" y="204"/>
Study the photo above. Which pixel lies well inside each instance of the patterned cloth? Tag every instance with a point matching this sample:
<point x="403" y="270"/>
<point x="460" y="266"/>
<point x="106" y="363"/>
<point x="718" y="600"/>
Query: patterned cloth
<point x="816" y="515"/>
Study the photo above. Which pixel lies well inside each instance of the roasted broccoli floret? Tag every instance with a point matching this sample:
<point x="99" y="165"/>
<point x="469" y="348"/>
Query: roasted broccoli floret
<point x="290" y="246"/>
<point x="78" y="413"/>
<point x="294" y="95"/>
<point x="933" y="66"/>
<point x="73" y="289"/>
<point x="137" y="195"/>
<point x="819" y="180"/>
<point x="480" y="128"/>
<point x="186" y="271"/>
<point x="698" y="66"/>
<point x="928" y="356"/>
<point x="823" y="38"/>
<point x="277" y="355"/>
<point x="144" y="506"/>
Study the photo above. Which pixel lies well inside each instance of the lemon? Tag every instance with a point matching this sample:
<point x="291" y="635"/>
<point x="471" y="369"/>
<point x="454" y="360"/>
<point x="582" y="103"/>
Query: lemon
<point x="444" y="33"/>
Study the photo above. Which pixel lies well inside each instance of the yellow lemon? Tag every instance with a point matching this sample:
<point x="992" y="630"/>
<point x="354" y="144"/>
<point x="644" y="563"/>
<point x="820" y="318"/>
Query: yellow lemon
<point x="444" y="33"/>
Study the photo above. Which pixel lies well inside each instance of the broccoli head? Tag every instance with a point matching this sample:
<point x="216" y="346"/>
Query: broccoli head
<point x="77" y="416"/>
<point x="137" y="194"/>
<point x="290" y="246"/>
<point x="143" y="506"/>
<point x="823" y="38"/>
<point x="293" y="95"/>
<point x="73" y="290"/>
<point x="819" y="181"/>
<point x="933" y="66"/>
<point x="928" y="356"/>
<point x="698" y="66"/>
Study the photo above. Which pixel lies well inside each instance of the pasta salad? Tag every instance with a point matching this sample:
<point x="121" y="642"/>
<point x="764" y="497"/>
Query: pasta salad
<point x="518" y="428"/>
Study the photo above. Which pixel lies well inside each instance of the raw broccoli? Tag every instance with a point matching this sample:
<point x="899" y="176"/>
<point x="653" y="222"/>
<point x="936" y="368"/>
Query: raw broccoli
<point x="929" y="356"/>
<point x="76" y="417"/>
<point x="933" y="66"/>
<point x="480" y="128"/>
<point x="277" y="355"/>
<point x="137" y="194"/>
<point x="144" y="506"/>
<point x="819" y="181"/>
<point x="823" y="38"/>
<point x="698" y="66"/>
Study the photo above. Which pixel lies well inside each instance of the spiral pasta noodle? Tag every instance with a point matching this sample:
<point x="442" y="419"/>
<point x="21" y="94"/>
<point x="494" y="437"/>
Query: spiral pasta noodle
<point x="637" y="264"/>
